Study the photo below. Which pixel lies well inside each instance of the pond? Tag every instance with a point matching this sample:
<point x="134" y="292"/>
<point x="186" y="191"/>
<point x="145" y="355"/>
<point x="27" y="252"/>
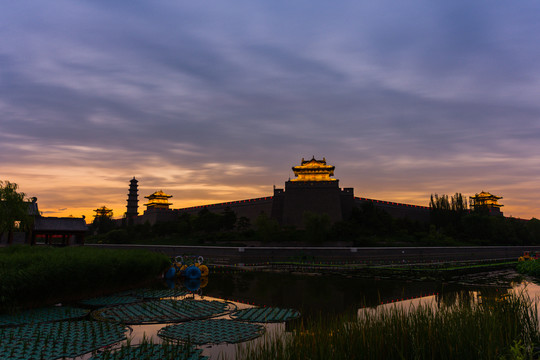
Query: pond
<point x="313" y="294"/>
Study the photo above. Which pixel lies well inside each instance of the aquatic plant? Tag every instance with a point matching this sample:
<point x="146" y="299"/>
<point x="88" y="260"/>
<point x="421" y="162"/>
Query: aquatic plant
<point x="54" y="340"/>
<point x="163" y="311"/>
<point x="212" y="331"/>
<point x="487" y="330"/>
<point x="148" y="350"/>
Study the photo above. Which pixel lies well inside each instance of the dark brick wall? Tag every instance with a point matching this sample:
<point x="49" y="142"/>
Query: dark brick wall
<point x="278" y="204"/>
<point x="398" y="210"/>
<point x="155" y="215"/>
<point x="347" y="202"/>
<point x="250" y="208"/>
<point x="322" y="197"/>
<point x="288" y="206"/>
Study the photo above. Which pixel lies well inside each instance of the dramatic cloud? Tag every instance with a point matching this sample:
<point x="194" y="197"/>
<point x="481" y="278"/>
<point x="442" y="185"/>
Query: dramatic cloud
<point x="215" y="101"/>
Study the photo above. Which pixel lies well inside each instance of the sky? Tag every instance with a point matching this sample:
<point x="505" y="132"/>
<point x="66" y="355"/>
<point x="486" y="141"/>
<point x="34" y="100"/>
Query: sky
<point x="214" y="101"/>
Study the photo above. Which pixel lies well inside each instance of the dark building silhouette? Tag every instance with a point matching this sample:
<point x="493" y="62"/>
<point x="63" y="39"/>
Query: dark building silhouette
<point x="67" y="231"/>
<point x="132" y="200"/>
<point x="48" y="229"/>
<point x="314" y="190"/>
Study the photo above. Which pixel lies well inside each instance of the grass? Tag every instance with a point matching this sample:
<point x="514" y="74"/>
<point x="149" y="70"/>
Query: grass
<point x="490" y="330"/>
<point x="37" y="276"/>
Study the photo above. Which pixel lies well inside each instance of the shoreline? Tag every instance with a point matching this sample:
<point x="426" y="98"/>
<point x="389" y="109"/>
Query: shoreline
<point x="370" y="256"/>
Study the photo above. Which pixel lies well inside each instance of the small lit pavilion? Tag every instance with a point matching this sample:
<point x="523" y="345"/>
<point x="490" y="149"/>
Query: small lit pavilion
<point x="103" y="212"/>
<point x="313" y="170"/>
<point x="487" y="201"/>
<point x="158" y="200"/>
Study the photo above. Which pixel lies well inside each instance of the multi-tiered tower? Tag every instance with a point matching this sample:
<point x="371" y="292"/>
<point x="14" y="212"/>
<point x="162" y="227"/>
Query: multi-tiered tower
<point x="132" y="201"/>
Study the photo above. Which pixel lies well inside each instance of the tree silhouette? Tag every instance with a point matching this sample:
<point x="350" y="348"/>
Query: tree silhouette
<point x="13" y="210"/>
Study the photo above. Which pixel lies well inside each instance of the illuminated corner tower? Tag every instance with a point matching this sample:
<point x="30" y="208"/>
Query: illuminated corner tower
<point x="158" y="201"/>
<point x="486" y="201"/>
<point x="313" y="191"/>
<point x="132" y="200"/>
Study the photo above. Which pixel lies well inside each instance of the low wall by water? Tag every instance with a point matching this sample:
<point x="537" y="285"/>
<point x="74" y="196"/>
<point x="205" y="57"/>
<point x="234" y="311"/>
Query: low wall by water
<point x="252" y="255"/>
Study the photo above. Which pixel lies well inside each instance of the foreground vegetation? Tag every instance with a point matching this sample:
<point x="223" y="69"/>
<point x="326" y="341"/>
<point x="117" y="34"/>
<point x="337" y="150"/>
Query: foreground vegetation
<point x="493" y="329"/>
<point x="36" y="276"/>
<point x="530" y="267"/>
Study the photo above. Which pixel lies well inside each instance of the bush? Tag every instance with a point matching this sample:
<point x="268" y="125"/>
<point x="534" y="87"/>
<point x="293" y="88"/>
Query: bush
<point x="35" y="276"/>
<point x="530" y="267"/>
<point x="117" y="236"/>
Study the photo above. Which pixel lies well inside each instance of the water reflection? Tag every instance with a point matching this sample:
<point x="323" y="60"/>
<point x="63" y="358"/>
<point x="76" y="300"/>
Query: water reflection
<point x="339" y="294"/>
<point x="336" y="295"/>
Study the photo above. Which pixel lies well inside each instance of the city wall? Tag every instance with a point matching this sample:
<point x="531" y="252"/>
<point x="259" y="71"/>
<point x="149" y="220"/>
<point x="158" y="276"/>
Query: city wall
<point x="276" y="207"/>
<point x="250" y="208"/>
<point x="397" y="210"/>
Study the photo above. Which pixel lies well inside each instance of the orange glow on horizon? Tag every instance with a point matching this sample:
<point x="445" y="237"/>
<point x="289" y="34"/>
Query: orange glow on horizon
<point x="64" y="190"/>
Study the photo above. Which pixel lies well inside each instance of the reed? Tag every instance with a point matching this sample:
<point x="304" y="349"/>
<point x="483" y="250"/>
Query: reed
<point x="36" y="276"/>
<point x="490" y="330"/>
<point x="148" y="350"/>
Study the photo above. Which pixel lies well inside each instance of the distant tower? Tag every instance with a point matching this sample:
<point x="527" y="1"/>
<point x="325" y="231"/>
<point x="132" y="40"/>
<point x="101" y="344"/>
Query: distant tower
<point x="132" y="200"/>
<point x="486" y="201"/>
<point x="158" y="201"/>
<point x="103" y="212"/>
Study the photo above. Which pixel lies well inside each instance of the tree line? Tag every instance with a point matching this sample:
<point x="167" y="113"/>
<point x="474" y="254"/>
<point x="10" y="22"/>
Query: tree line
<point x="451" y="223"/>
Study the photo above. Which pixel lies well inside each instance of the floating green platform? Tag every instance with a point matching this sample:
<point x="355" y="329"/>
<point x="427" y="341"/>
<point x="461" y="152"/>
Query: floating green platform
<point x="110" y="300"/>
<point x="42" y="315"/>
<point x="159" y="293"/>
<point x="164" y="311"/>
<point x="212" y="331"/>
<point x="265" y="315"/>
<point x="61" y="339"/>
<point x="129" y="297"/>
<point x="148" y="351"/>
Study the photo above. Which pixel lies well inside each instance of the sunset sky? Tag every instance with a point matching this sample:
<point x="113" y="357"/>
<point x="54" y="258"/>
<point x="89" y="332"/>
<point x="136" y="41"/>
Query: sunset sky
<point x="214" y="101"/>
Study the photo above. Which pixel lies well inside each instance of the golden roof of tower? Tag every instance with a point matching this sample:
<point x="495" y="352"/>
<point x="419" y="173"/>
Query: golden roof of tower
<point x="485" y="198"/>
<point x="158" y="200"/>
<point x="157" y="195"/>
<point x="103" y="211"/>
<point x="314" y="170"/>
<point x="486" y="195"/>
